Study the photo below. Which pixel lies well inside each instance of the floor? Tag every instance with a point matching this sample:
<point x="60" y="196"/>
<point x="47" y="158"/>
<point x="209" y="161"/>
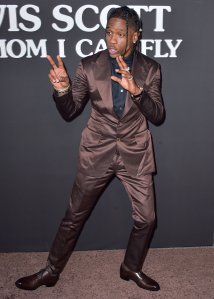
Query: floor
<point x="181" y="273"/>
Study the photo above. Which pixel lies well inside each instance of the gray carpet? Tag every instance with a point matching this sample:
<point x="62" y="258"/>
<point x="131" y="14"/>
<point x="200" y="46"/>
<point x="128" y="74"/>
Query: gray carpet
<point x="182" y="273"/>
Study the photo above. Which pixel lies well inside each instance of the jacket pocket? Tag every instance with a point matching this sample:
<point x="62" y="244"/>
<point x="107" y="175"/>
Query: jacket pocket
<point x="142" y="139"/>
<point x="90" y="139"/>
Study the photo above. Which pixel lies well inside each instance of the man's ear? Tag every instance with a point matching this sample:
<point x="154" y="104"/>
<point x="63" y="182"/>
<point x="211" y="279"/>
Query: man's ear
<point x="135" y="37"/>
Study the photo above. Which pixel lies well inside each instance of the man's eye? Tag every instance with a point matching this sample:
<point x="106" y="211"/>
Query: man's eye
<point x="121" y="35"/>
<point x="108" y="33"/>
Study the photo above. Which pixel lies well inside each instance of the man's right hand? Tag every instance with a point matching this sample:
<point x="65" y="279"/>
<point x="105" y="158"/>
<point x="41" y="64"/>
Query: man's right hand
<point x="58" y="76"/>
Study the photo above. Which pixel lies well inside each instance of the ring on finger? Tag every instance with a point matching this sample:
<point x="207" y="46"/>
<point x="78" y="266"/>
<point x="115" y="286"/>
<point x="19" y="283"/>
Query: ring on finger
<point x="127" y="69"/>
<point x="130" y="78"/>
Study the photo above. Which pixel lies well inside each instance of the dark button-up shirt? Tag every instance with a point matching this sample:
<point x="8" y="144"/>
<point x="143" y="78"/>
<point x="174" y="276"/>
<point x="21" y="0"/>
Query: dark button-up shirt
<point x="118" y="93"/>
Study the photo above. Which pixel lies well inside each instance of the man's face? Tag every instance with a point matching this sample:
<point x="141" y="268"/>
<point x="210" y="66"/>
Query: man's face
<point x="116" y="38"/>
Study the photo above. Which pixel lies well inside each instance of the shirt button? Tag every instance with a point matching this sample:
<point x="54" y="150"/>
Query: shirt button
<point x="121" y="90"/>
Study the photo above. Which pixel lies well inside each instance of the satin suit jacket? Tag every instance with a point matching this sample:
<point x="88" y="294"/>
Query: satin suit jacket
<point x="105" y="132"/>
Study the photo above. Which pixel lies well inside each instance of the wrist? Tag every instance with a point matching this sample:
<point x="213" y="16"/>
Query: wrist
<point x="138" y="92"/>
<point x="62" y="91"/>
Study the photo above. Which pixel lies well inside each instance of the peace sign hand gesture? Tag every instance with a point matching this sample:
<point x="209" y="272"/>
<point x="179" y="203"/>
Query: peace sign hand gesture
<point x="58" y="76"/>
<point x="126" y="81"/>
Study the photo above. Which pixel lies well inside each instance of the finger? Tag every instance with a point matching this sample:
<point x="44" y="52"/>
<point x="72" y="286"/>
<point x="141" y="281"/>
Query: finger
<point x="130" y="78"/>
<point x="53" y="64"/>
<point x="60" y="62"/>
<point x="121" y="62"/>
<point x="123" y="73"/>
<point x="54" y="76"/>
<point x="62" y="77"/>
<point x="116" y="79"/>
<point x="52" y="79"/>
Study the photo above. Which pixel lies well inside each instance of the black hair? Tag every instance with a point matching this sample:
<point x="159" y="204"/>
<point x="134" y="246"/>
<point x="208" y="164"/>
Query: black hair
<point x="131" y="18"/>
<point x="127" y="14"/>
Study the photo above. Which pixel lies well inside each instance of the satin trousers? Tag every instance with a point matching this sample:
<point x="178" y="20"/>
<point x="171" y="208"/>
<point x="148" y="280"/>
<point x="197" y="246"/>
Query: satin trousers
<point x="85" y="193"/>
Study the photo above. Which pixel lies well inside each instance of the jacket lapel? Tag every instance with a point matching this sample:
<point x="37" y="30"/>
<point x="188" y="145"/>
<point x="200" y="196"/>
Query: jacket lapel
<point x="102" y="74"/>
<point x="137" y="74"/>
<point x="139" y="71"/>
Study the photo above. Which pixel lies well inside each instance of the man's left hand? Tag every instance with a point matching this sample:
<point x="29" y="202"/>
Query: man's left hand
<point x="126" y="81"/>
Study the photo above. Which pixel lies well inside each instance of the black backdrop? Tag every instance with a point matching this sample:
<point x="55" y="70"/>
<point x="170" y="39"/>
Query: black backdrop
<point x="39" y="150"/>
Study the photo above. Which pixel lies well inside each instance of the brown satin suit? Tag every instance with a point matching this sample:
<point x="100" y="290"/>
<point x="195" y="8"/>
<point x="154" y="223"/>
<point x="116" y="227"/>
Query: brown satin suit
<point x="111" y="147"/>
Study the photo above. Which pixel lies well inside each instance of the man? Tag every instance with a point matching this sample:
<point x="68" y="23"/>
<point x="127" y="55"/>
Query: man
<point x="124" y="89"/>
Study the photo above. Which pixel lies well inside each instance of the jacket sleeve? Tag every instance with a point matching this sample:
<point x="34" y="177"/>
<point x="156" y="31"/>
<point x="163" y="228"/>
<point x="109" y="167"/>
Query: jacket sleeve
<point x="72" y="104"/>
<point x="150" y="101"/>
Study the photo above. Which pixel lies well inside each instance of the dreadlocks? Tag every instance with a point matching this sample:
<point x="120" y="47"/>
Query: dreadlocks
<point x="127" y="14"/>
<point x="130" y="16"/>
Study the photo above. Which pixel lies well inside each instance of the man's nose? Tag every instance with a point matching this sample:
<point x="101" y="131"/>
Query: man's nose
<point x="113" y="39"/>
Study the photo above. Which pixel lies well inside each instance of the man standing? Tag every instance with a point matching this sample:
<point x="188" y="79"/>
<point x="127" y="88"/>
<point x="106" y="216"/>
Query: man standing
<point x="124" y="89"/>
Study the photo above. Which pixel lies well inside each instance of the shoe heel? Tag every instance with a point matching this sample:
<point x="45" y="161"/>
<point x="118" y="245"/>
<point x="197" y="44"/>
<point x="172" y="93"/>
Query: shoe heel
<point x="124" y="277"/>
<point x="50" y="285"/>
